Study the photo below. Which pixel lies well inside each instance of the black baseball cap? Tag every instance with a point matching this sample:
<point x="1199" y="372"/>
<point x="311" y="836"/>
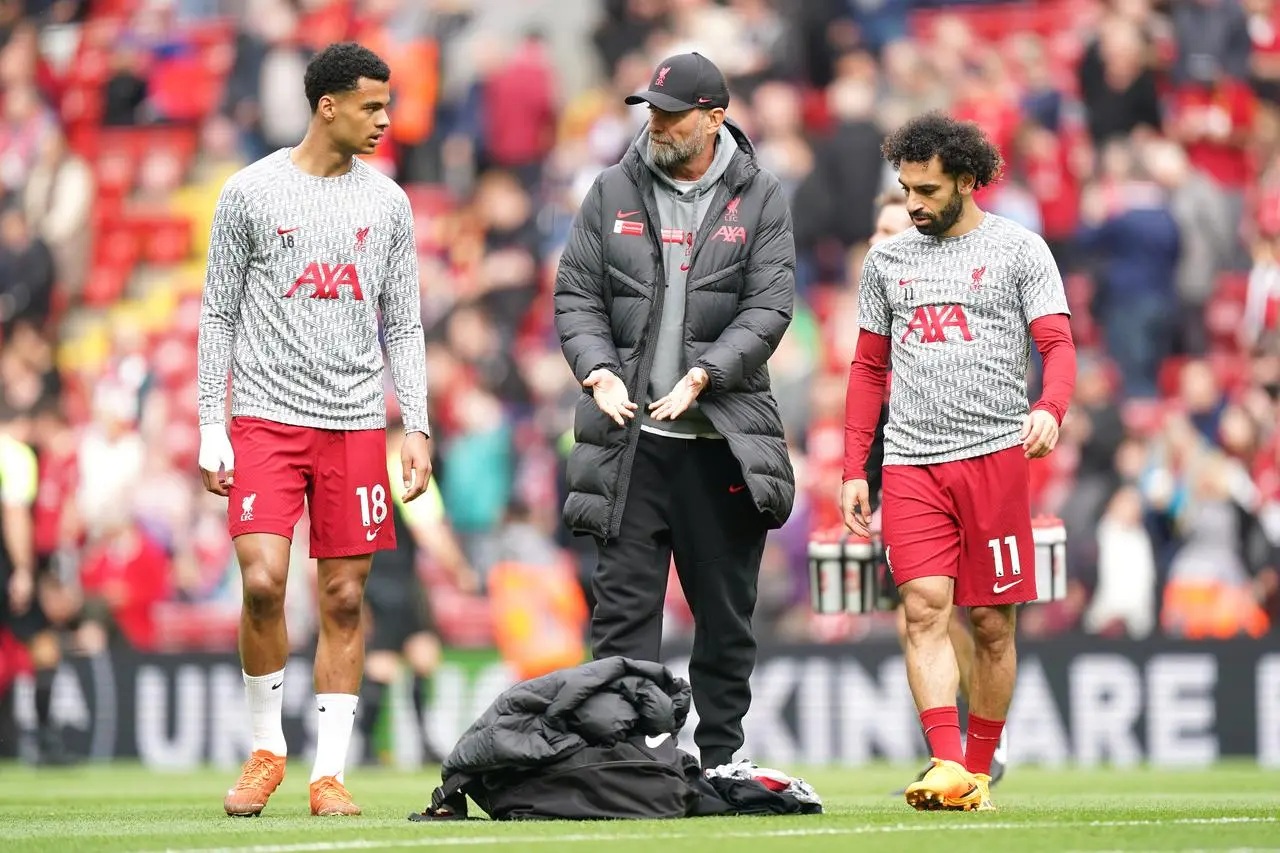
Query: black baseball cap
<point x="684" y="82"/>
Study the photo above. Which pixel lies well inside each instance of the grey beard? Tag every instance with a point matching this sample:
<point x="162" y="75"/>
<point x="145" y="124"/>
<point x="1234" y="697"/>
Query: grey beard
<point x="670" y="156"/>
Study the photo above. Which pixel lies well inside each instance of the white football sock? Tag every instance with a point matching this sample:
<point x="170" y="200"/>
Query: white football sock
<point x="266" y="697"/>
<point x="333" y="735"/>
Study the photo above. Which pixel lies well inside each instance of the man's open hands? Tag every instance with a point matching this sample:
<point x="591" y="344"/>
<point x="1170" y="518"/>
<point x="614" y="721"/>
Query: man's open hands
<point x="681" y="397"/>
<point x="610" y="394"/>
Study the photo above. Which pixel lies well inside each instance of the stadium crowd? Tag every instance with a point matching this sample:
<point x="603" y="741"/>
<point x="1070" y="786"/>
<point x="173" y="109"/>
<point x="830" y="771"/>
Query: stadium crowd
<point x="1140" y="138"/>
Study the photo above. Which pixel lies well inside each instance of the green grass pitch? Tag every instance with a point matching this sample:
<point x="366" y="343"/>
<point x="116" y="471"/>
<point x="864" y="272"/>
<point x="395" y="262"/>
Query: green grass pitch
<point x="125" y="809"/>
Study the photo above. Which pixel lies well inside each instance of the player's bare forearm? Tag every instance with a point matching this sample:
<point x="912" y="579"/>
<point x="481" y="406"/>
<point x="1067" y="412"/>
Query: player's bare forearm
<point x="438" y="541"/>
<point x="863" y="400"/>
<point x="19" y="538"/>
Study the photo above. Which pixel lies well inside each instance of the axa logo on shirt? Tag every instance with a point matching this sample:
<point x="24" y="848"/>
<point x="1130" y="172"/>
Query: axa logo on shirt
<point x="932" y="322"/>
<point x="730" y="234"/>
<point x="326" y="279"/>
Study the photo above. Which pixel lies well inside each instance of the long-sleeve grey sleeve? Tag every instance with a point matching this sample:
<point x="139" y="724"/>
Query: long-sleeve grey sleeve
<point x="228" y="262"/>
<point x="402" y="324"/>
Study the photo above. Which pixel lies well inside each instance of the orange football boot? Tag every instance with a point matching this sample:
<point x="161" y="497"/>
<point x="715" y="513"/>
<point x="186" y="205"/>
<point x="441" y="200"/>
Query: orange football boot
<point x="261" y="775"/>
<point x="329" y="798"/>
<point x="947" y="786"/>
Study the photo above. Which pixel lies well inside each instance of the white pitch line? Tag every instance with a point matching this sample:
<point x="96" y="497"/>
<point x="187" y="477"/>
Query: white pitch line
<point x="476" y="840"/>
<point x="1192" y="850"/>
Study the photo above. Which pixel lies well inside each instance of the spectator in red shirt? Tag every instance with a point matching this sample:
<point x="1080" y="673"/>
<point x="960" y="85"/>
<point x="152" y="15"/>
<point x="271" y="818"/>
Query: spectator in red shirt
<point x="125" y="574"/>
<point x="1215" y="117"/>
<point x="1215" y="120"/>
<point x="1048" y="170"/>
<point x="519" y="111"/>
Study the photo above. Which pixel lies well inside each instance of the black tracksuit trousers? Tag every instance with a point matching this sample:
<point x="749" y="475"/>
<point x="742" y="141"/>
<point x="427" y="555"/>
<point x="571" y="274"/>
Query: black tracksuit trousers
<point x="687" y="497"/>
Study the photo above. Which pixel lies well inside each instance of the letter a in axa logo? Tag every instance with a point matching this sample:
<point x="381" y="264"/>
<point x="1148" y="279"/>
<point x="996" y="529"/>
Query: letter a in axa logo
<point x="325" y="279"/>
<point x="932" y="322"/>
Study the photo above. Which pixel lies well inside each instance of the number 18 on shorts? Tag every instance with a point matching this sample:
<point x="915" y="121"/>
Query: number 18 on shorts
<point x="341" y="476"/>
<point x="969" y="520"/>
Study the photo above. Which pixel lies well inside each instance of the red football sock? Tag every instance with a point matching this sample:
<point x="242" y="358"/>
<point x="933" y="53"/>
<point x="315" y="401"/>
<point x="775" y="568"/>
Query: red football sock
<point x="984" y="737"/>
<point x="942" y="730"/>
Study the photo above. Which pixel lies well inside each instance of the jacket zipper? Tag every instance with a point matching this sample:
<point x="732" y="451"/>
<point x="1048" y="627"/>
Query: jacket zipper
<point x="723" y="193"/>
<point x="647" y="355"/>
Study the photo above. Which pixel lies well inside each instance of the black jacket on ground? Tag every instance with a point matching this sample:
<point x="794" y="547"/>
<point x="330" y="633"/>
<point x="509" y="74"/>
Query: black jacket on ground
<point x="544" y="720"/>
<point x="584" y="744"/>
<point x="608" y="303"/>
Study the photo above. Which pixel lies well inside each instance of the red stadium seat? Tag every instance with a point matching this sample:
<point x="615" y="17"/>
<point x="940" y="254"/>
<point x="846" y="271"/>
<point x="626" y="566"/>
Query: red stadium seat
<point x="115" y="166"/>
<point x="184" y="89"/>
<point x="162" y="240"/>
<point x="105" y="285"/>
<point x="117" y="245"/>
<point x="84" y="140"/>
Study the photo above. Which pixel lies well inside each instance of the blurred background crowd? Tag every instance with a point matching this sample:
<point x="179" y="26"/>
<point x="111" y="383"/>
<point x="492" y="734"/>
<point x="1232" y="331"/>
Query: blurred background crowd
<point x="1141" y="140"/>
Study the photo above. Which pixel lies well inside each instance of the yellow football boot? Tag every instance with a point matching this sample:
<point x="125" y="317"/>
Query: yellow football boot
<point x="947" y="786"/>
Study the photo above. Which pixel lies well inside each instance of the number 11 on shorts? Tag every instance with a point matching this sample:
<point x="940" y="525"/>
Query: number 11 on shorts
<point x="997" y="554"/>
<point x="373" y="504"/>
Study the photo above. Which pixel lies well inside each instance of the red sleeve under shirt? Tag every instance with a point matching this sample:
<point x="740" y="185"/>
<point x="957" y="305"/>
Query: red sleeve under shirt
<point x="870" y="368"/>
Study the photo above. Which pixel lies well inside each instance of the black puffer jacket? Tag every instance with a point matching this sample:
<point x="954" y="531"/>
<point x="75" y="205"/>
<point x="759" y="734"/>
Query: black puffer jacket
<point x="544" y="720"/>
<point x="608" y="303"/>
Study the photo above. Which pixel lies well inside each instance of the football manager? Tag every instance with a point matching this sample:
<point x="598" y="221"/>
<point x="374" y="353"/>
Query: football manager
<point x="673" y="291"/>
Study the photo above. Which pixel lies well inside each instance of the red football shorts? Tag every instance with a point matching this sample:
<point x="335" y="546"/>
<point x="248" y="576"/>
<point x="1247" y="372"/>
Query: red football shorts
<point x="969" y="520"/>
<point x="342" y="475"/>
